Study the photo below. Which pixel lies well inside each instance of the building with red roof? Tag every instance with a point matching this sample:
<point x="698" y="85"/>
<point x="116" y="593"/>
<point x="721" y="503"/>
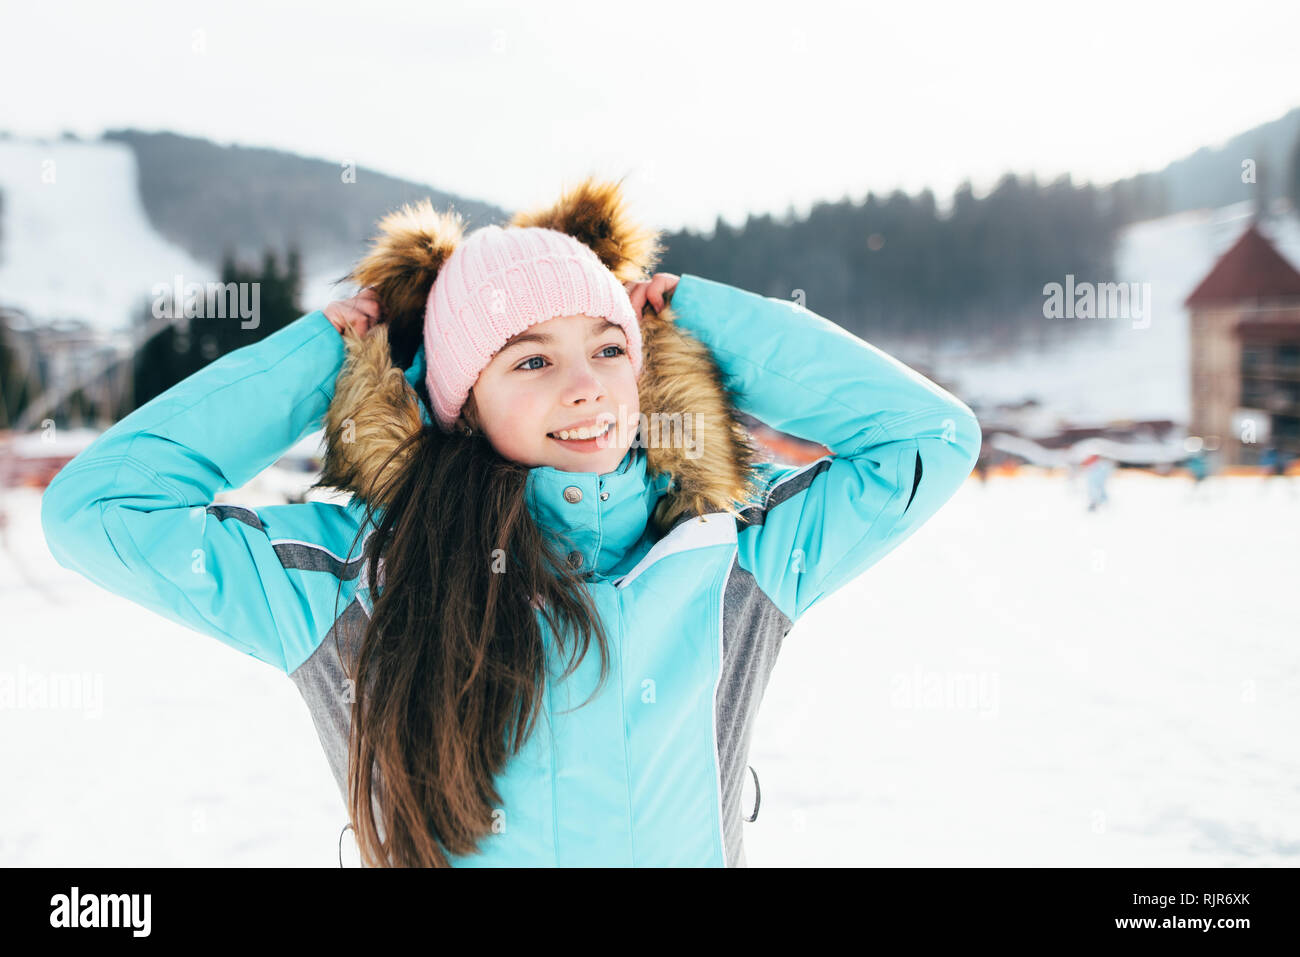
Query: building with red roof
<point x="1245" y="351"/>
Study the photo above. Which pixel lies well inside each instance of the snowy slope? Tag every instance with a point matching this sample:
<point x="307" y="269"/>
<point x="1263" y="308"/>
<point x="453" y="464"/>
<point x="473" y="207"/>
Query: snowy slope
<point x="81" y="246"/>
<point x="1124" y="372"/>
<point x="1021" y="683"/>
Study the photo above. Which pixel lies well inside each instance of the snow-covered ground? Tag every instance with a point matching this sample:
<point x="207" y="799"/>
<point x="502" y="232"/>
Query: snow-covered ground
<point x="1021" y="683"/>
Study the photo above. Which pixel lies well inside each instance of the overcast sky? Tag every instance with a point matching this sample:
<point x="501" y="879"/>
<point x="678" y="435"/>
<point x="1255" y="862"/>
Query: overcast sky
<point x="709" y="108"/>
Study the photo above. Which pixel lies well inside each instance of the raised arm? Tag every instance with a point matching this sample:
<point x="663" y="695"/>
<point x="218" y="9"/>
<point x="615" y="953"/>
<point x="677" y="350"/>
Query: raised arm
<point x="134" y="512"/>
<point x="900" y="445"/>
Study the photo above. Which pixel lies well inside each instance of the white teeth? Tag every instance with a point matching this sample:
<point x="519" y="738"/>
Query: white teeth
<point x="587" y="433"/>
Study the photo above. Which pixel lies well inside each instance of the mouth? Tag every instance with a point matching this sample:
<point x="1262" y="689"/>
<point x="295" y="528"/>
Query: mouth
<point x="590" y="444"/>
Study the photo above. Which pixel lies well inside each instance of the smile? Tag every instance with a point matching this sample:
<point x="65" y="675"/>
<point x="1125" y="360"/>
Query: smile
<point x="580" y="437"/>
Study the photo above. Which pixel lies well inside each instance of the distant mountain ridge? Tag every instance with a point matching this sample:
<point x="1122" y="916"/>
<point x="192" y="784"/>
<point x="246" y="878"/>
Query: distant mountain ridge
<point x="1212" y="177"/>
<point x="209" y="198"/>
<point x="888" y="266"/>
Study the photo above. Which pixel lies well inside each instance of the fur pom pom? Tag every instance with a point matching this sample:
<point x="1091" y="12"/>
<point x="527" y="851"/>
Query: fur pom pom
<point x="594" y="213"/>
<point x="412" y="244"/>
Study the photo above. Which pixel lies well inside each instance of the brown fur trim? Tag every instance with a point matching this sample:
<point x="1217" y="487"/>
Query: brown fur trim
<point x="681" y="378"/>
<point x="373" y="410"/>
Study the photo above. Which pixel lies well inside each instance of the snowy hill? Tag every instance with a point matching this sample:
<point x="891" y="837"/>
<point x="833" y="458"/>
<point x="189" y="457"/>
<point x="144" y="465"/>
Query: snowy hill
<point x="84" y="247"/>
<point x="80" y="246"/>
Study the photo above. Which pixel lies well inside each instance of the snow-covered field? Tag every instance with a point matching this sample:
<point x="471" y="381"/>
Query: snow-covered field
<point x="1021" y="683"/>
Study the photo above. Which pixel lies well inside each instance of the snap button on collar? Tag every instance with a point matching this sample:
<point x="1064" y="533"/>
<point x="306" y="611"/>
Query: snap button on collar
<point x="575" y="559"/>
<point x="573" y="494"/>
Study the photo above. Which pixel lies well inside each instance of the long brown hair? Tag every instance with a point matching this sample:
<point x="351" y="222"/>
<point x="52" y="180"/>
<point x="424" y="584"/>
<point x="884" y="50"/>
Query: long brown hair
<point x="450" y="673"/>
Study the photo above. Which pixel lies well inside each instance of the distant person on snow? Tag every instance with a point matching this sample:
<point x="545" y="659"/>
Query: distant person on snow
<point x="1275" y="462"/>
<point x="1198" y="464"/>
<point x="1095" y="472"/>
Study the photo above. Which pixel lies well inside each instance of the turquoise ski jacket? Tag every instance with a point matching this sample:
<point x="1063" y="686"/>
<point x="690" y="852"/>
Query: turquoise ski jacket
<point x="650" y="772"/>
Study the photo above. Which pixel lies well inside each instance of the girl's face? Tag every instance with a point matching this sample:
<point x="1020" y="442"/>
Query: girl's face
<point x="561" y="374"/>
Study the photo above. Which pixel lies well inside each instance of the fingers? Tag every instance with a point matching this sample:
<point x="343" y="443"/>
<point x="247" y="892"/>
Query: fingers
<point x="663" y="285"/>
<point x="655" y="291"/>
<point x="361" y="315"/>
<point x="367" y="303"/>
<point x="636" y="292"/>
<point x="362" y="311"/>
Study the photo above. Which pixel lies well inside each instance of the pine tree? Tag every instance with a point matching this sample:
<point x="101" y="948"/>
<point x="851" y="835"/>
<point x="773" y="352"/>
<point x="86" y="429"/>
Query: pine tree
<point x="188" y="344"/>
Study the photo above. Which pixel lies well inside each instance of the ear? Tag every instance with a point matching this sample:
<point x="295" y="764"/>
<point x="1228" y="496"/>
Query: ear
<point x="594" y="213"/>
<point x="412" y="245"/>
<point x="470" y="413"/>
<point x="468" y="417"/>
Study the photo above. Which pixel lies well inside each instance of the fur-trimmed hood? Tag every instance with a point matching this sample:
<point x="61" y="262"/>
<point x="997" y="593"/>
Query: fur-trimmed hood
<point x="375" y="407"/>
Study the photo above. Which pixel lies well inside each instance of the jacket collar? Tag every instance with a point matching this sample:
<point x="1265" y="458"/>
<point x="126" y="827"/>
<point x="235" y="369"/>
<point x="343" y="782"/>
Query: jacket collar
<point x="597" y="517"/>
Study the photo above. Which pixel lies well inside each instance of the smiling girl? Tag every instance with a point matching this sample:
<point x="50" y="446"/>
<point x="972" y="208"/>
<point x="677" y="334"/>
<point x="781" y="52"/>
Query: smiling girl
<point x="508" y="410"/>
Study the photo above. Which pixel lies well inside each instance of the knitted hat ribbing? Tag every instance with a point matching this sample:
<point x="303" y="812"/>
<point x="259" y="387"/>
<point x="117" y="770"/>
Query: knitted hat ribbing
<point x="497" y="283"/>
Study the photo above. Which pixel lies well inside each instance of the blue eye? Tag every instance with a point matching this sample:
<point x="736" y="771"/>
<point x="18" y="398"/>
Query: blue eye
<point x="521" y="367"/>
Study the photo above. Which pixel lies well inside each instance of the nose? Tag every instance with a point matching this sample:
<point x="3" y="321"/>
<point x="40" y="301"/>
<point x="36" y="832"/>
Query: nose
<point x="582" y="386"/>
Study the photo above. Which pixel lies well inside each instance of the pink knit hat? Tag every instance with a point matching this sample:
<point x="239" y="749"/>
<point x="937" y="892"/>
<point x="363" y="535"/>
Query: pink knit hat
<point x="497" y="283"/>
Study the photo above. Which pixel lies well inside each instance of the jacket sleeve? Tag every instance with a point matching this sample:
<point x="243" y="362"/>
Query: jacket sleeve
<point x="134" y="511"/>
<point x="900" y="445"/>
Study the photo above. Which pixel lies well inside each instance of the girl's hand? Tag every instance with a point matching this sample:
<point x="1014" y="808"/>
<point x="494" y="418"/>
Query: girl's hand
<point x="361" y="312"/>
<point x="657" y="291"/>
